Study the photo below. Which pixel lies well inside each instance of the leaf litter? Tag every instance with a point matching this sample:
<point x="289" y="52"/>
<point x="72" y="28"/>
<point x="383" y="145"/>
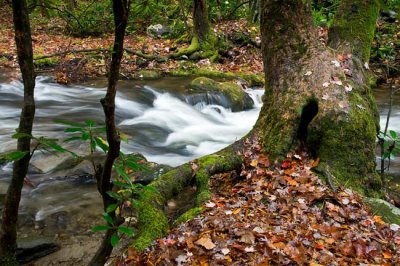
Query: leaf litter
<point x="285" y="216"/>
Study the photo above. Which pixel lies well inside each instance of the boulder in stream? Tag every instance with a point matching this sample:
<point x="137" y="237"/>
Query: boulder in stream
<point x="226" y="94"/>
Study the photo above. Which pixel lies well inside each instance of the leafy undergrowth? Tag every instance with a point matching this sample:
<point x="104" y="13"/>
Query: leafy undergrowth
<point x="50" y="39"/>
<point x="282" y="217"/>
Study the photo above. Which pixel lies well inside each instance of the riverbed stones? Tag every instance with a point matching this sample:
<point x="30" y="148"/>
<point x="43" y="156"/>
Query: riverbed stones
<point x="35" y="247"/>
<point x="229" y="94"/>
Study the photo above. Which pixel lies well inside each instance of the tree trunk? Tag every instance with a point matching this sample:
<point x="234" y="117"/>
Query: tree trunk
<point x="8" y="234"/>
<point x="200" y="20"/>
<point x="354" y="26"/>
<point x="311" y="101"/>
<point x="121" y="12"/>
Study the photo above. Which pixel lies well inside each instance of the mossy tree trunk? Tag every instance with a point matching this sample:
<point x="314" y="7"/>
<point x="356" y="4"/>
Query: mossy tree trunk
<point x="313" y="100"/>
<point x="203" y="38"/>
<point x="23" y="40"/>
<point x="354" y="26"/>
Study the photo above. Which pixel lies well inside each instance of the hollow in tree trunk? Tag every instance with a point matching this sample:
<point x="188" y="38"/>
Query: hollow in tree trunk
<point x="8" y="232"/>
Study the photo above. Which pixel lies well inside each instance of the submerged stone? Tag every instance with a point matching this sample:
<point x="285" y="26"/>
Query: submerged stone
<point x="34" y="247"/>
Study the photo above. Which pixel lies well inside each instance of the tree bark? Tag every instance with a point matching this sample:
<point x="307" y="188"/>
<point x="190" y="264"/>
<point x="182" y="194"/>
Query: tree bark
<point x="8" y="234"/>
<point x="200" y="20"/>
<point x="312" y="101"/>
<point x="121" y="12"/>
<point x="354" y="26"/>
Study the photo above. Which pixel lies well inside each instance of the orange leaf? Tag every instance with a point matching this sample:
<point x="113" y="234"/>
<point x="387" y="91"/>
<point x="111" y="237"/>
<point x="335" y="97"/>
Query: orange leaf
<point x="386" y="254"/>
<point x="280" y="245"/>
<point x="378" y="219"/>
<point x="319" y="245"/>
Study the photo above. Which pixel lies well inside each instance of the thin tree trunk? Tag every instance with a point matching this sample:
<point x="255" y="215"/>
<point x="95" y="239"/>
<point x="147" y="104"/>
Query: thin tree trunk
<point x="121" y="12"/>
<point x="200" y="19"/>
<point x="8" y="234"/>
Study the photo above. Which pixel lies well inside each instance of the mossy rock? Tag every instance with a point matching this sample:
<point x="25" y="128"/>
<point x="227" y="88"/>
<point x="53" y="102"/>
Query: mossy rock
<point x="389" y="212"/>
<point x="149" y="74"/>
<point x="237" y="99"/>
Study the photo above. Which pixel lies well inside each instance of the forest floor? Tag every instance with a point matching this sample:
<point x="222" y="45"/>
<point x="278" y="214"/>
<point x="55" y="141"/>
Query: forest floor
<point x="281" y="217"/>
<point x="263" y="217"/>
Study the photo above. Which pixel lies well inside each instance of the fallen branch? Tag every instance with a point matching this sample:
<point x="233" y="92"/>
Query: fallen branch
<point x="100" y="50"/>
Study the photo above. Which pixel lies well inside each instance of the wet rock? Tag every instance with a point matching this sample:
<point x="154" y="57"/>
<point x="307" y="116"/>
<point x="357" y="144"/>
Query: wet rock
<point x="148" y="74"/>
<point x="158" y="30"/>
<point x="32" y="248"/>
<point x="389" y="212"/>
<point x="226" y="94"/>
<point x="389" y="15"/>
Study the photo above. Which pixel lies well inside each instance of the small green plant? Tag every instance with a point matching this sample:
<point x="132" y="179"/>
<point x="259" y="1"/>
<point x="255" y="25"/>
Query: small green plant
<point x="391" y="145"/>
<point x="125" y="195"/>
<point x="125" y="192"/>
<point x="86" y="132"/>
<point x="41" y="143"/>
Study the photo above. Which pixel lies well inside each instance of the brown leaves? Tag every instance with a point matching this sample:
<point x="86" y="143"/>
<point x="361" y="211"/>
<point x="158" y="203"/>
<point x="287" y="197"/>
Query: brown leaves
<point x="205" y="242"/>
<point x="281" y="216"/>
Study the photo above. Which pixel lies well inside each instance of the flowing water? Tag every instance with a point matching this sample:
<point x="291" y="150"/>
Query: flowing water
<point x="163" y="122"/>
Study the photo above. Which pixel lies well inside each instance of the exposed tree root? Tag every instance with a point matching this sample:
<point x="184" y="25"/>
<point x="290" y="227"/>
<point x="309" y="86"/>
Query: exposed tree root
<point x="152" y="220"/>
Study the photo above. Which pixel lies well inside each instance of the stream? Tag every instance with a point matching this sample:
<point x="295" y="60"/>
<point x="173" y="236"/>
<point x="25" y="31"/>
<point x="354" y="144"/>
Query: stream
<point x="164" y="123"/>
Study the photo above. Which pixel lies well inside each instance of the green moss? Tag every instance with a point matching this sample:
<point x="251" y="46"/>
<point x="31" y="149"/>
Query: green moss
<point x="253" y="80"/>
<point x="45" y="62"/>
<point x="189" y="215"/>
<point x="355" y="23"/>
<point x="389" y="212"/>
<point x="346" y="144"/>
<point x="193" y="47"/>
<point x="238" y="98"/>
<point x="152" y="224"/>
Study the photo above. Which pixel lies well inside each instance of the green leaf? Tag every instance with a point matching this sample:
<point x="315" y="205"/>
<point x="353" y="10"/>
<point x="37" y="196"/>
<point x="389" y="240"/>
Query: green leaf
<point x="85" y="136"/>
<point x="108" y="218"/>
<point x="114" y="195"/>
<point x="386" y="155"/>
<point x="101" y="143"/>
<point x="393" y="134"/>
<point x="114" y="239"/>
<point x="101" y="228"/>
<point x="126" y="230"/>
<point x="111" y="208"/>
<point x="19" y="135"/>
<point x="89" y="123"/>
<point x="15" y="155"/>
<point x="55" y="146"/>
<point x="73" y="129"/>
<point x="121" y="184"/>
<point x="72" y="139"/>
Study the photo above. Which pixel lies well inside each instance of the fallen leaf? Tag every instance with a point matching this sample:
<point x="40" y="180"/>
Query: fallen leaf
<point x="205" y="242"/>
<point x="308" y="73"/>
<point x="386" y="254"/>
